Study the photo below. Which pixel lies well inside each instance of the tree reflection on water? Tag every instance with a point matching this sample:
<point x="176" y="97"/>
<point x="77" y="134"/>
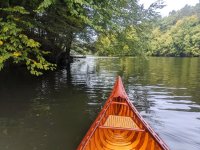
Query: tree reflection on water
<point x="57" y="109"/>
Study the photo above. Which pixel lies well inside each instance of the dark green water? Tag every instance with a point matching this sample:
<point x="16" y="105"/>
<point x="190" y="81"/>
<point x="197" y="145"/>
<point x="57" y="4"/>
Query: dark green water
<point x="53" y="112"/>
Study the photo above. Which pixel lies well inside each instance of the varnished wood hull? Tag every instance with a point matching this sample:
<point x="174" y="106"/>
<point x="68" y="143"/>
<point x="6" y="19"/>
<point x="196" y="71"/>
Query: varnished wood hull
<point x="119" y="126"/>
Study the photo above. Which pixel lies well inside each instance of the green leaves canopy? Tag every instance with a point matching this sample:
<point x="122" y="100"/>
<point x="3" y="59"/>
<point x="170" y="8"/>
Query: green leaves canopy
<point x="29" y="29"/>
<point x="17" y="47"/>
<point x="127" y="42"/>
<point x="182" y="39"/>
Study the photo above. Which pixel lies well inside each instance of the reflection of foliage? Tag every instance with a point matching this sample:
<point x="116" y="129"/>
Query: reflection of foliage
<point x="139" y="98"/>
<point x="172" y="72"/>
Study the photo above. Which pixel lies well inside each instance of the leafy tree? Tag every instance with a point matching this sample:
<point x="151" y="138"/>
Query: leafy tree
<point x="132" y="38"/>
<point x="29" y="29"/>
<point x="57" y="26"/>
<point x="124" y="43"/>
<point x="17" y="47"/>
<point x="174" y="16"/>
<point x="181" y="39"/>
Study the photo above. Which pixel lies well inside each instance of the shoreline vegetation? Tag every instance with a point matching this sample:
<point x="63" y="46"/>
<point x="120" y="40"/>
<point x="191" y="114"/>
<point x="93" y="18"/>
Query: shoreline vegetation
<point x="43" y="35"/>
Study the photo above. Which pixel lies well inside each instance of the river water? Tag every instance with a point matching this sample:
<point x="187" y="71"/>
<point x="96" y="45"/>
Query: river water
<point x="53" y="112"/>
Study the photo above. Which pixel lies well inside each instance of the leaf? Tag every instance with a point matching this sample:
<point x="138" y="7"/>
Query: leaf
<point x="45" y="4"/>
<point x="15" y="9"/>
<point x="17" y="54"/>
<point x="1" y="43"/>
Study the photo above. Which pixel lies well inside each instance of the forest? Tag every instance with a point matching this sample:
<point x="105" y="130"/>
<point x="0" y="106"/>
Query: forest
<point x="178" y="34"/>
<point x="42" y="35"/>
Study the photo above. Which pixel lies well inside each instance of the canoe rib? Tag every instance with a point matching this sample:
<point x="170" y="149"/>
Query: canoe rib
<point x="119" y="126"/>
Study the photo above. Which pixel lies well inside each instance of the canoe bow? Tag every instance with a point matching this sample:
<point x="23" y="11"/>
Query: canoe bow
<point x="119" y="126"/>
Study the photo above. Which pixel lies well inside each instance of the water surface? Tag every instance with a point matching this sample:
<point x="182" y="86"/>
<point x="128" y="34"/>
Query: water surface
<point x="53" y="112"/>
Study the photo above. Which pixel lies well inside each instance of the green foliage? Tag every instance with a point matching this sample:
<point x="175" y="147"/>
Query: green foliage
<point x="45" y="4"/>
<point x="177" y="34"/>
<point x="16" y="9"/>
<point x="17" y="47"/>
<point x="54" y="24"/>
<point x="124" y="43"/>
<point x="131" y="38"/>
<point x="29" y="30"/>
<point x="174" y="16"/>
<point x="75" y="22"/>
<point x="181" y="39"/>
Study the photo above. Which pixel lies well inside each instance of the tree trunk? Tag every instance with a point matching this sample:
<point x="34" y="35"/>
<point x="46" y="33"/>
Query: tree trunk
<point x="64" y="57"/>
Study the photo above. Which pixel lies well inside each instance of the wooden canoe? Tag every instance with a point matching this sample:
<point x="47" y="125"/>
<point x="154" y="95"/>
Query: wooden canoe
<point x="119" y="126"/>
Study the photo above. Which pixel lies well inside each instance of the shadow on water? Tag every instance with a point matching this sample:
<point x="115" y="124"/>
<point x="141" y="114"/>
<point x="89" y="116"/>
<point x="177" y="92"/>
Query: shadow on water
<point x="53" y="112"/>
<point x="40" y="113"/>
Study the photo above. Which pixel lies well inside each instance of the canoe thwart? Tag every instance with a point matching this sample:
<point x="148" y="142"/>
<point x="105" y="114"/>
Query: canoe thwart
<point x="120" y="123"/>
<point x="119" y="103"/>
<point x="124" y="129"/>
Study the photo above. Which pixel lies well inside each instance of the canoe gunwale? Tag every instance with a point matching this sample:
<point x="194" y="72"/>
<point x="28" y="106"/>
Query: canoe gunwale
<point x="96" y="123"/>
<point x="148" y="127"/>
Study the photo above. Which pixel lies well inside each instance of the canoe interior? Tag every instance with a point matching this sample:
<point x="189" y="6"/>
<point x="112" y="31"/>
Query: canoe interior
<point x="112" y="138"/>
<point x="120" y="127"/>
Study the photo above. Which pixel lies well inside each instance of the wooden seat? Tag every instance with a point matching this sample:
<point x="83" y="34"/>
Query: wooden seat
<point x="120" y="122"/>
